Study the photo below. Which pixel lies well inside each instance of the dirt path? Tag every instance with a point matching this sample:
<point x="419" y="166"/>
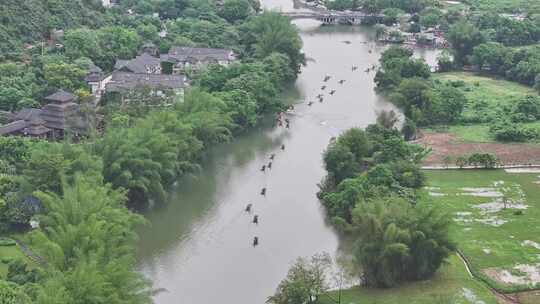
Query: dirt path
<point x="446" y="144"/>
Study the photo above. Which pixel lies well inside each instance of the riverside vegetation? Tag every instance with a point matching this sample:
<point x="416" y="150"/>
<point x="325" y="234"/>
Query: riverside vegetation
<point x="80" y="192"/>
<point x="379" y="202"/>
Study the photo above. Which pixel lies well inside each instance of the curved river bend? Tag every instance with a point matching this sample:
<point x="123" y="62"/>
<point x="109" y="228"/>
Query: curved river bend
<point x="198" y="248"/>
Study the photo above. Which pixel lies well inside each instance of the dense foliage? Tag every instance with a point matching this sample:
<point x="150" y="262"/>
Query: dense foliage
<point x="488" y="41"/>
<point x="306" y="281"/>
<point x="407" y="82"/>
<point x="32" y="21"/>
<point x="377" y="6"/>
<point x="370" y="193"/>
<point x="398" y="242"/>
<point x="521" y="65"/>
<point x="504" y="6"/>
<point x="80" y="191"/>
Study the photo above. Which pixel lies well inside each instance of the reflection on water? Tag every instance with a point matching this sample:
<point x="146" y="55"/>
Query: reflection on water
<point x="199" y="246"/>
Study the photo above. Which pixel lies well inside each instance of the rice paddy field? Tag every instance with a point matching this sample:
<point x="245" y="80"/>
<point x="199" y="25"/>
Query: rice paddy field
<point x="497" y="223"/>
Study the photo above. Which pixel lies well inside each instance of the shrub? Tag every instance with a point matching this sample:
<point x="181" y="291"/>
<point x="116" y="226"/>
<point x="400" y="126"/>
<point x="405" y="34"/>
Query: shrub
<point x="461" y="161"/>
<point x="509" y="131"/>
<point x="7" y="259"/>
<point x="486" y="160"/>
<point x="527" y="109"/>
<point x="398" y="242"/>
<point x="7" y="242"/>
<point x="457" y="83"/>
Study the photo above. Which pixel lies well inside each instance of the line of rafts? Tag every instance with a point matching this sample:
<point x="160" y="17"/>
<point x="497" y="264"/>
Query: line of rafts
<point x="263" y="193"/>
<point x="320" y="97"/>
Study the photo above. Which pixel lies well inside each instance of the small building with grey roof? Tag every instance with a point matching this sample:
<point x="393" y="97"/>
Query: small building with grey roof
<point x="122" y="82"/>
<point x="183" y="58"/>
<point x="142" y="64"/>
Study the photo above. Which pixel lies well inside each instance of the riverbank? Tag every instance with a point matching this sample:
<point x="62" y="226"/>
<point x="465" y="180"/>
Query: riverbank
<point x="203" y="226"/>
<point x="451" y="284"/>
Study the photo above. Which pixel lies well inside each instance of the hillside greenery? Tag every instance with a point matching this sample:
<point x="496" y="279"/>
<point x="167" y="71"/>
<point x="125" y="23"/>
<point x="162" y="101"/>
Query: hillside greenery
<point x="83" y="192"/>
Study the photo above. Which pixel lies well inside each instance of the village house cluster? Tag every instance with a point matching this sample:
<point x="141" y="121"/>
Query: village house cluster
<point x="62" y="113"/>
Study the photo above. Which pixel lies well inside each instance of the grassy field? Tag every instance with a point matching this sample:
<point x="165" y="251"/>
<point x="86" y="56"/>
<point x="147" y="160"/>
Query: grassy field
<point x="506" y="6"/>
<point x="451" y="284"/>
<point x="495" y="240"/>
<point x="485" y="94"/>
<point x="10" y="252"/>
<point x="477" y="132"/>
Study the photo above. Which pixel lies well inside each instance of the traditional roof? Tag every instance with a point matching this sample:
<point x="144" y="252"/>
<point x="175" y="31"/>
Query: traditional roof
<point x="13" y="127"/>
<point x="27" y="114"/>
<point x="62" y="113"/>
<point x="144" y="63"/>
<point x="31" y="203"/>
<point x="37" y="127"/>
<point x="61" y="96"/>
<point x="121" y="81"/>
<point x="120" y="63"/>
<point x="95" y="69"/>
<point x="184" y="54"/>
<point x="61" y="116"/>
<point x="94" y="77"/>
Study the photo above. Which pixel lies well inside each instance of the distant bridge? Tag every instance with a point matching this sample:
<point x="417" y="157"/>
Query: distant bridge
<point x="332" y="17"/>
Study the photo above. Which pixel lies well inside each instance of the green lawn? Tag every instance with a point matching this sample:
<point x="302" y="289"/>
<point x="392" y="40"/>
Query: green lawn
<point x="9" y="251"/>
<point x="477" y="132"/>
<point x="492" y="239"/>
<point x="451" y="284"/>
<point x="485" y="94"/>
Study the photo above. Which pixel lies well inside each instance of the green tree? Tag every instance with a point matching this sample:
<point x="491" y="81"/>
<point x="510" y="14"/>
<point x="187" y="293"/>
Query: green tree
<point x="241" y="106"/>
<point x="140" y="159"/>
<point x="463" y="37"/>
<point x="397" y="242"/>
<point x="413" y="94"/>
<point x="235" y="10"/>
<point x="11" y="293"/>
<point x="171" y="9"/>
<point x="271" y="32"/>
<point x="87" y="239"/>
<point x="278" y="67"/>
<point x="116" y="42"/>
<point x="306" y="281"/>
<point x="409" y="129"/>
<point x="64" y="76"/>
<point x="82" y="42"/>
<point x="344" y="157"/>
<point x="257" y="84"/>
<point x="207" y="115"/>
<point x="340" y="162"/>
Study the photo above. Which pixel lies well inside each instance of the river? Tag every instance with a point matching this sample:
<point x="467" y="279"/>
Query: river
<point x="198" y="247"/>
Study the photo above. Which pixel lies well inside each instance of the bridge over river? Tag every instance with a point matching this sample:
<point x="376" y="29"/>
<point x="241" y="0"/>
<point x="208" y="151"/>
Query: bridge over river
<point x="333" y="17"/>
